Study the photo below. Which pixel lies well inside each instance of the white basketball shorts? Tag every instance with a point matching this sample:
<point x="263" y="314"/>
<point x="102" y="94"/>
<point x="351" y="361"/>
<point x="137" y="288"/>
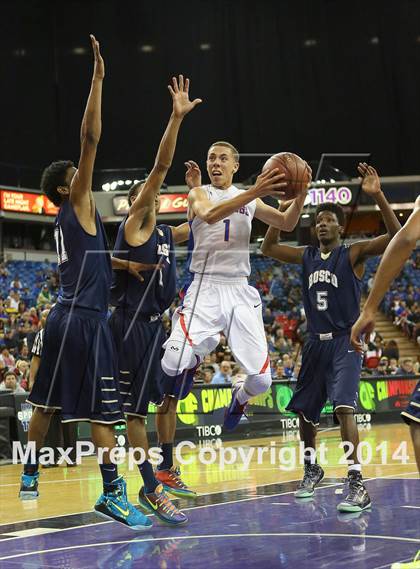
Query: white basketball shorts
<point x="213" y="305"/>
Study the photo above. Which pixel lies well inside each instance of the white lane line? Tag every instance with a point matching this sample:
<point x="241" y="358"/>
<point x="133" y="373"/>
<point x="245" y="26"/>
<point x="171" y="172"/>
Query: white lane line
<point x="211" y="536"/>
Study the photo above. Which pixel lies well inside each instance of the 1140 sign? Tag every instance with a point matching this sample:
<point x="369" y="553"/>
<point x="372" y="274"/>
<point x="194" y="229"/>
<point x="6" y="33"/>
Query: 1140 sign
<point x="341" y="195"/>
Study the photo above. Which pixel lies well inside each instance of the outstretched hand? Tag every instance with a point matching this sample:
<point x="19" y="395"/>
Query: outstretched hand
<point x="192" y="175"/>
<point x="135" y="268"/>
<point x="99" y="68"/>
<point x="180" y="97"/>
<point x="370" y="179"/>
<point x="362" y="330"/>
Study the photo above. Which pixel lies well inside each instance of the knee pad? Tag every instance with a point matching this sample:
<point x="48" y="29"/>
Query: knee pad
<point x="178" y="356"/>
<point x="257" y="383"/>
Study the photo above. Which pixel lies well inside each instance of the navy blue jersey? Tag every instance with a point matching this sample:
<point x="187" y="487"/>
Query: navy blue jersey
<point x="84" y="262"/>
<point x="158" y="290"/>
<point x="331" y="290"/>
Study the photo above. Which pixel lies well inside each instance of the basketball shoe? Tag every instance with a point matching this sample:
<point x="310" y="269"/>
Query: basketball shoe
<point x="158" y="503"/>
<point x="312" y="475"/>
<point x="235" y="410"/>
<point x="185" y="380"/>
<point x="173" y="483"/>
<point x="115" y="505"/>
<point x="29" y="486"/>
<point x="357" y="498"/>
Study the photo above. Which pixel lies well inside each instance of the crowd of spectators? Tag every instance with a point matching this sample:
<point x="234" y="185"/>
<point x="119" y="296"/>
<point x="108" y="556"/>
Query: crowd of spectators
<point x="402" y="301"/>
<point x="24" y="294"/>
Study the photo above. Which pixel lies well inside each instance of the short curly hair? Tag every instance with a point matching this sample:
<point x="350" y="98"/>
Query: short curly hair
<point x="133" y="191"/>
<point x="333" y="208"/>
<point x="53" y="176"/>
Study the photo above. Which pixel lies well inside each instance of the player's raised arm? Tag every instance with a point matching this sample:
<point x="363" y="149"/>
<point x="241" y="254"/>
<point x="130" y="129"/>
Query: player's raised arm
<point x="395" y="256"/>
<point x="81" y="186"/>
<point x="269" y="182"/>
<point x="272" y="248"/>
<point x="144" y="204"/>
<point x="371" y="185"/>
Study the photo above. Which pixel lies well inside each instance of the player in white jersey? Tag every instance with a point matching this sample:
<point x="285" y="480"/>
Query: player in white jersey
<point x="219" y="297"/>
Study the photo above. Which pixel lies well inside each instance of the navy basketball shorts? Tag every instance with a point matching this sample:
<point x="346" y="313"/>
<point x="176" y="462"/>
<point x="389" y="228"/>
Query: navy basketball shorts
<point x="412" y="413"/>
<point x="139" y="342"/>
<point x="330" y="370"/>
<point x="77" y="373"/>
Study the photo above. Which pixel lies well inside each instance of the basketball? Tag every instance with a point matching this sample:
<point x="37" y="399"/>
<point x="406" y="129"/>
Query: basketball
<point x="295" y="169"/>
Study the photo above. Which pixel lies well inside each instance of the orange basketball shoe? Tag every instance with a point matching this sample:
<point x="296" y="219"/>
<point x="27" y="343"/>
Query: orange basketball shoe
<point x="172" y="483"/>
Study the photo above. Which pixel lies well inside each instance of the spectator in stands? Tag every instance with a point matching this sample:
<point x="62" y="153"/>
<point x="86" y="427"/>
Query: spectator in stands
<point x="4" y="317"/>
<point x="10" y="339"/>
<point x="270" y="344"/>
<point x="214" y="362"/>
<point x="12" y="301"/>
<point x="207" y="375"/>
<point x="382" y="368"/>
<point x="34" y="316"/>
<point x="16" y="284"/>
<point x="268" y="316"/>
<point x="4" y="273"/>
<point x="22" y="373"/>
<point x="10" y="382"/>
<point x="279" y="371"/>
<point x="393" y="366"/>
<point x="413" y="321"/>
<point x="287" y="365"/>
<point x="406" y="368"/>
<point x="224" y="376"/>
<point x="44" y="297"/>
<point x="6" y="358"/>
<point x="208" y="364"/>
<point x="391" y="350"/>
<point x="281" y="346"/>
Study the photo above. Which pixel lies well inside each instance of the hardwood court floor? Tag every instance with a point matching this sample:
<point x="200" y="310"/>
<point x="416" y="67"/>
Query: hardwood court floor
<point x="74" y="490"/>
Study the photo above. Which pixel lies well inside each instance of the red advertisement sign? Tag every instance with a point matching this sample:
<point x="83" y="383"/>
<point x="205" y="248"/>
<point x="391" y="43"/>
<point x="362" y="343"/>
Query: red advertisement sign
<point x="173" y="203"/>
<point x="25" y="202"/>
<point x="169" y="203"/>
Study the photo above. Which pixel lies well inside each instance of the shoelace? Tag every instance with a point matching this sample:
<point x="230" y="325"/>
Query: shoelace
<point x="167" y="505"/>
<point x="307" y="476"/>
<point x="354" y="488"/>
<point x="175" y="474"/>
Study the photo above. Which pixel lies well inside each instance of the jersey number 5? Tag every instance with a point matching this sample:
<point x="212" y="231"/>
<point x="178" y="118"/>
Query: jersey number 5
<point x="322" y="300"/>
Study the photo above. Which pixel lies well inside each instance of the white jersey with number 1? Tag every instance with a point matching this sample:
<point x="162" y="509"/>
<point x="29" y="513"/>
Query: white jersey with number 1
<point x="222" y="249"/>
<point x="219" y="299"/>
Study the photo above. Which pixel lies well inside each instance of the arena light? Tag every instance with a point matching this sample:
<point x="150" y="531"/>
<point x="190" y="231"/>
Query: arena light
<point x="79" y="50"/>
<point x="147" y="48"/>
<point x="205" y="46"/>
<point x="115" y="184"/>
